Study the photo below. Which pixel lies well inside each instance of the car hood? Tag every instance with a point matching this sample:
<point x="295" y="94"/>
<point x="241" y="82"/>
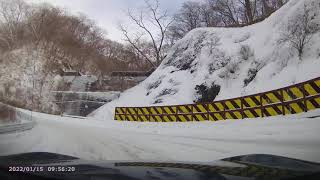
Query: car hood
<point x="56" y="166"/>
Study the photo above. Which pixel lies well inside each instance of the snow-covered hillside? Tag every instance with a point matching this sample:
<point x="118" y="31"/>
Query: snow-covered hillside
<point x="241" y="61"/>
<point x="24" y="82"/>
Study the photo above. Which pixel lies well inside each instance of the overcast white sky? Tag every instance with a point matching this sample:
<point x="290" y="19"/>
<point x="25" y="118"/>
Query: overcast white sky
<point x="107" y="13"/>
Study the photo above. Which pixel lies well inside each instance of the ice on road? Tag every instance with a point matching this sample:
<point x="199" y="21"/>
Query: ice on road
<point x="292" y="136"/>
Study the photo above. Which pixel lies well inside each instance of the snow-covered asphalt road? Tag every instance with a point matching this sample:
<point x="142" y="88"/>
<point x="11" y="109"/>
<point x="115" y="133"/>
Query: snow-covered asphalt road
<point x="294" y="136"/>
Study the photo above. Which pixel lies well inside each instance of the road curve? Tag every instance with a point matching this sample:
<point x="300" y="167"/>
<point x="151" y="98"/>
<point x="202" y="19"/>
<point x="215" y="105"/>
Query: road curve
<point x="197" y="142"/>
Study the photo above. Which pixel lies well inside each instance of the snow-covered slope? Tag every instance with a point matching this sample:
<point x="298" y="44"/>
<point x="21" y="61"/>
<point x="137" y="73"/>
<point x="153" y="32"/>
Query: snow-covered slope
<point x="241" y="61"/>
<point x="24" y="82"/>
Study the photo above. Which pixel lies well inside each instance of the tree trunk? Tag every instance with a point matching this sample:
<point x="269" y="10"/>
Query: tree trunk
<point x="267" y="9"/>
<point x="248" y="11"/>
<point x="300" y="52"/>
<point x="280" y="3"/>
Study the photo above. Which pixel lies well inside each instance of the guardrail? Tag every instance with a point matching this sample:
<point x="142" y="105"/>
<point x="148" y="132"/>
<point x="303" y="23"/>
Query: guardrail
<point x="14" y="120"/>
<point x="11" y="128"/>
<point x="301" y="97"/>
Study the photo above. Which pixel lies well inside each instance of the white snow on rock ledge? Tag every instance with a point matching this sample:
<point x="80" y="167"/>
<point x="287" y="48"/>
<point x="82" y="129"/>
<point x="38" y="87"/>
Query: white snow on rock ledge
<point x="211" y="55"/>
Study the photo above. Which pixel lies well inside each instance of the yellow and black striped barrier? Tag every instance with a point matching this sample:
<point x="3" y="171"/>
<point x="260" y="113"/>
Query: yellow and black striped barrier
<point x="293" y="99"/>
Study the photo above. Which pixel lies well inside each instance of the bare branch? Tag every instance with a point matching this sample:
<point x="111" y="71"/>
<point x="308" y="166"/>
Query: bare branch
<point x="159" y="20"/>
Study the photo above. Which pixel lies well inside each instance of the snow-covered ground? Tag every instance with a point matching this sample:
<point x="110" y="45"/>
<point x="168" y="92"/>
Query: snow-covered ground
<point x="293" y="136"/>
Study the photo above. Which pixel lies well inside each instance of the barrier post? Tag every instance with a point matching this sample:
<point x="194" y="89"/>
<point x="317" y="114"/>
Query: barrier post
<point x="207" y="110"/>
<point x="148" y="116"/>
<point x="241" y="108"/>
<point x="224" y="110"/>
<point x="137" y="114"/>
<point x="192" y="114"/>
<point x="282" y="102"/>
<point x="261" y="105"/>
<point x="126" y="112"/>
<point x="301" y="87"/>
<point x="176" y="114"/>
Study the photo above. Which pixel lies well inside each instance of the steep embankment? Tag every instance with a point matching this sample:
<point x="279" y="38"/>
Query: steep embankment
<point x="240" y="60"/>
<point x="24" y="80"/>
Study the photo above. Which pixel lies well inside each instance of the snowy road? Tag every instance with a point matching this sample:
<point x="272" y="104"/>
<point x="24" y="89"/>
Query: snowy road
<point x="295" y="137"/>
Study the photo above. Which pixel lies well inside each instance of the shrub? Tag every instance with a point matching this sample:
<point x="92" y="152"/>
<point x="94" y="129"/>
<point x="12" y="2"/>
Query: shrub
<point x="158" y="101"/>
<point x="167" y="92"/>
<point x="252" y="73"/>
<point x="205" y="93"/>
<point x="246" y="52"/>
<point x="300" y="30"/>
<point x="155" y="84"/>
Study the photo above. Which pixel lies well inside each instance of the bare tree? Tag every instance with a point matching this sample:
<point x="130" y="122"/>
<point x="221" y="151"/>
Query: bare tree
<point x="268" y="7"/>
<point x="213" y="13"/>
<point x="248" y="7"/>
<point x="300" y="30"/>
<point x="210" y="18"/>
<point x="229" y="11"/>
<point x="159" y="20"/>
<point x="189" y="17"/>
<point x="12" y="13"/>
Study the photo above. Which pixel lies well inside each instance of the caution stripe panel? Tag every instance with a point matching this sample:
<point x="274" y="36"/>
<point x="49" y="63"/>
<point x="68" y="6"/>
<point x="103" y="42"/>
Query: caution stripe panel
<point x="184" y="109"/>
<point x="273" y="110"/>
<point x="143" y="118"/>
<point x="294" y="107"/>
<point x="215" y="116"/>
<point x="251" y="113"/>
<point x="131" y="110"/>
<point x="215" y="107"/>
<point x="131" y="117"/>
<point x="184" y="117"/>
<point x="155" y="118"/>
<point x="120" y="117"/>
<point x="312" y="88"/>
<point x="120" y="110"/>
<point x="251" y="101"/>
<point x="271" y="97"/>
<point x="292" y="93"/>
<point x="200" y="117"/>
<point x="233" y="115"/>
<point x="169" y="110"/>
<point x="143" y="111"/>
<point x="169" y="118"/>
<point x="313" y="103"/>
<point x="200" y="108"/>
<point x="155" y="110"/>
<point x="232" y="104"/>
